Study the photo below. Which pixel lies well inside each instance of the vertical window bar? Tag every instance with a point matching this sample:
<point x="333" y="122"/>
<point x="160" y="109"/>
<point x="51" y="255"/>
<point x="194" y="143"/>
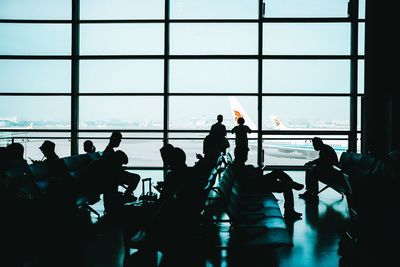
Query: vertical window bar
<point x="75" y="77"/>
<point x="260" y="157"/>
<point x="353" y="12"/>
<point x="166" y="75"/>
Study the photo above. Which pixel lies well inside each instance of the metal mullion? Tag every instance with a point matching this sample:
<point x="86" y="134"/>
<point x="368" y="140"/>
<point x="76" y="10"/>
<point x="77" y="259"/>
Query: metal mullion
<point x="138" y="21"/>
<point x="353" y="75"/>
<point x="120" y="94"/>
<point x="121" y="130"/>
<point x="197" y="57"/>
<point x="166" y="76"/>
<point x="75" y="77"/>
<point x="212" y="94"/>
<point x="306" y="20"/>
<point x="117" y="21"/>
<point x="214" y="20"/>
<point x="260" y="154"/>
<point x="36" y="130"/>
<point x="35" y="21"/>
<point x="308" y="57"/>
<point x="307" y="94"/>
<point x="34" y="94"/>
<point x="34" y="57"/>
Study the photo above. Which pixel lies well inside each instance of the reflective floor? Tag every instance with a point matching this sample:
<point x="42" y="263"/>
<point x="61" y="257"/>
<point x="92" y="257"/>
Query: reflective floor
<point x="316" y="238"/>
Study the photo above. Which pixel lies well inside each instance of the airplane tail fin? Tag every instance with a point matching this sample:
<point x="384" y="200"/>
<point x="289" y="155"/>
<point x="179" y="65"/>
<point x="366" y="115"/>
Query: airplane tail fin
<point x="277" y="124"/>
<point x="238" y="111"/>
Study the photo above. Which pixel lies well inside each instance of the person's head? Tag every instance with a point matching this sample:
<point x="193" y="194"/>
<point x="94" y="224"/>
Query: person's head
<point x="220" y="118"/>
<point x="15" y="151"/>
<point x="115" y="138"/>
<point x="119" y="157"/>
<point x="317" y="143"/>
<point x="178" y="158"/>
<point x="166" y="152"/>
<point x="240" y="121"/>
<point x="47" y="148"/>
<point x="88" y="146"/>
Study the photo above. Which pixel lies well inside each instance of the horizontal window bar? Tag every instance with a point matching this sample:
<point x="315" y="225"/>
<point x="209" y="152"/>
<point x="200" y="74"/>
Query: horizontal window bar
<point x="199" y="57"/>
<point x="265" y="20"/>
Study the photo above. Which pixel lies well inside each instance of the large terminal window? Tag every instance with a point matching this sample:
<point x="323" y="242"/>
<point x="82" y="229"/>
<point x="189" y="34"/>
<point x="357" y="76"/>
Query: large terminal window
<point x="162" y="70"/>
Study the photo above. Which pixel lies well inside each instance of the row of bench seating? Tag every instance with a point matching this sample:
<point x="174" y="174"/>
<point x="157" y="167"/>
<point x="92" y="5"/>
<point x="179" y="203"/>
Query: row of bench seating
<point x="371" y="198"/>
<point x="39" y="179"/>
<point x="256" y="219"/>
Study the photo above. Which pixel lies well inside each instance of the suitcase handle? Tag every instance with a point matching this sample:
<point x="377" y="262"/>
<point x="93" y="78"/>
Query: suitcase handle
<point x="144" y="180"/>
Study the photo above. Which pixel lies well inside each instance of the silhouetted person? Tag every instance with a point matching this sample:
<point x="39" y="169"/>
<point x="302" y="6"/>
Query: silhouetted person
<point x="48" y="150"/>
<point x="211" y="147"/>
<point x="15" y="154"/>
<point x="126" y="178"/>
<point x="241" y="130"/>
<point x="322" y="167"/>
<point x="88" y="146"/>
<point x="166" y="153"/>
<point x="218" y="128"/>
<point x="253" y="179"/>
<point x="178" y="207"/>
<point x="114" y="142"/>
<point x="219" y="131"/>
<point x="102" y="176"/>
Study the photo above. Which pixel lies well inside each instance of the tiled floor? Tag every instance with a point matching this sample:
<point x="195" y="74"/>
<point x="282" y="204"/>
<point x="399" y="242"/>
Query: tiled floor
<point x="315" y="237"/>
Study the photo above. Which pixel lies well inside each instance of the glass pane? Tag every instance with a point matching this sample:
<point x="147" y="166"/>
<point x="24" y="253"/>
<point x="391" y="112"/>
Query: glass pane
<point x="211" y="9"/>
<point x="120" y="39"/>
<point x="306" y="76"/>
<point x="361" y="39"/>
<point x="40" y="76"/>
<point x="306" y="113"/>
<point x="120" y="76"/>
<point x="35" y="39"/>
<point x="306" y="39"/>
<point x="361" y="9"/>
<point x="35" y="112"/>
<point x="141" y="152"/>
<point x="120" y="112"/>
<point x="305" y="8"/>
<point x="361" y="76"/>
<point x="297" y="149"/>
<point x="33" y="140"/>
<point x="38" y="9"/>
<point x="213" y="38"/>
<point x="200" y="112"/>
<point x="211" y="76"/>
<point x="122" y="9"/>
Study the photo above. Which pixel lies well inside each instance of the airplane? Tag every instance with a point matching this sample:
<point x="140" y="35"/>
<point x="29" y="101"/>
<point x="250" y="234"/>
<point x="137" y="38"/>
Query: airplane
<point x="300" y="149"/>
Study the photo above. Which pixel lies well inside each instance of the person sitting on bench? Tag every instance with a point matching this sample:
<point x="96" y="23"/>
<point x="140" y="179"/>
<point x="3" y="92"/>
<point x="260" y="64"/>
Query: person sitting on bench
<point x="322" y="167"/>
<point x="253" y="180"/>
<point x="102" y="177"/>
<point x="131" y="180"/>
